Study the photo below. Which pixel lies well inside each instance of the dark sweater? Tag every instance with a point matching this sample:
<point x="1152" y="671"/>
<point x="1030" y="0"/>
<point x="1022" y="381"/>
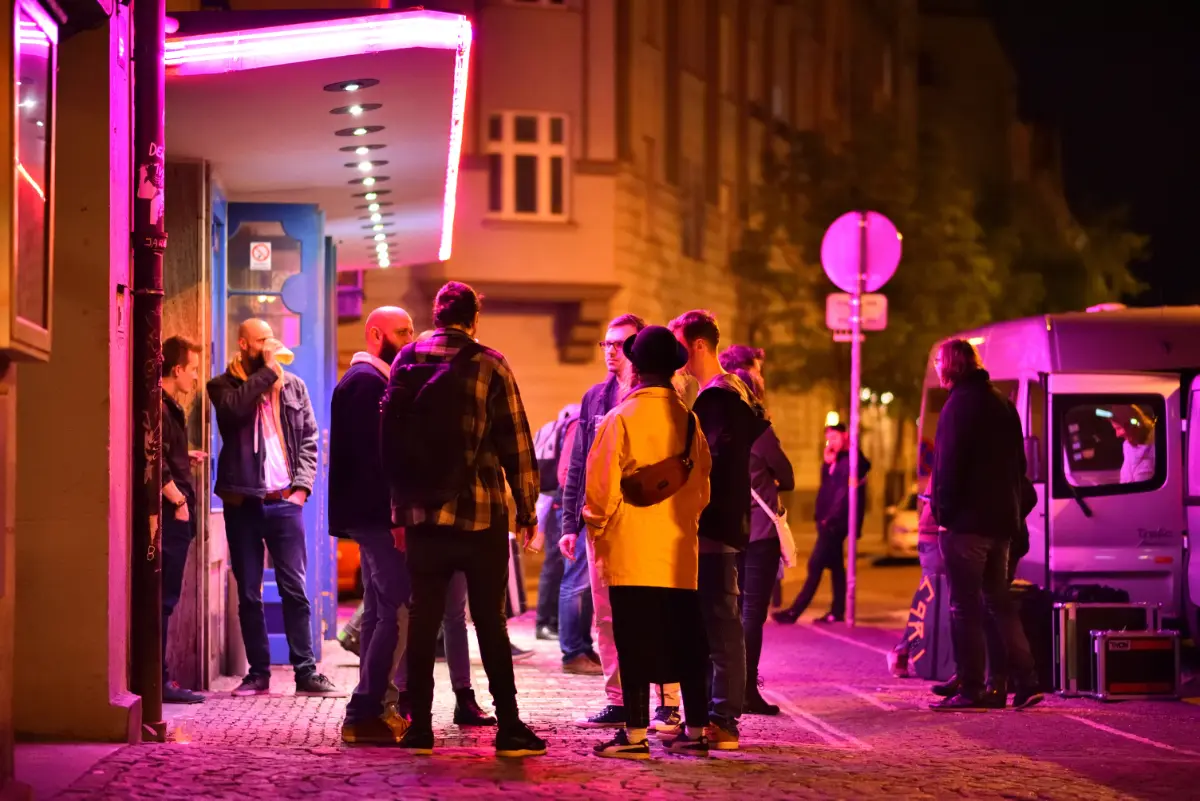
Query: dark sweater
<point x="731" y="424"/>
<point x="358" y="490"/>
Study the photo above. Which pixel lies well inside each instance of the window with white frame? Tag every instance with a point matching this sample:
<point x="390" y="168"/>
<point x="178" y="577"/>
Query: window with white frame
<point x="527" y="165"/>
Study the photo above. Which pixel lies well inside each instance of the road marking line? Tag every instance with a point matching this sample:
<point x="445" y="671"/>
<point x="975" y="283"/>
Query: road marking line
<point x="850" y="640"/>
<point x="868" y="697"/>
<point x="827" y="732"/>
<point x="1128" y="736"/>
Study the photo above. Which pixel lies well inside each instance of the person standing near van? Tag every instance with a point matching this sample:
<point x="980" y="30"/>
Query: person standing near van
<point x="978" y="468"/>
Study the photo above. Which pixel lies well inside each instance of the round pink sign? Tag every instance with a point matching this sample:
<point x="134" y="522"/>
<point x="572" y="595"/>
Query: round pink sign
<point x="840" y="251"/>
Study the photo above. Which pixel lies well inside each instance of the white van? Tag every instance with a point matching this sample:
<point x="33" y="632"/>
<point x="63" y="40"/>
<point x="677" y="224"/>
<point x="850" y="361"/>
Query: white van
<point x="1105" y="398"/>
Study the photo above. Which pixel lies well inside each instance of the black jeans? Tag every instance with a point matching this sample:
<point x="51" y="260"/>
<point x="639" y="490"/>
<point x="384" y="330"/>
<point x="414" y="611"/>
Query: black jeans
<point x="984" y="624"/>
<point x="758" y="567"/>
<point x="253" y="528"/>
<point x="828" y="555"/>
<point x="177" y="536"/>
<point x="434" y="554"/>
<point x="653" y="626"/>
<point x="718" y="591"/>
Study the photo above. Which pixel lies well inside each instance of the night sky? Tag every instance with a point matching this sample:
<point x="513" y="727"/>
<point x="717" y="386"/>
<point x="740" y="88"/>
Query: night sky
<point x="1121" y="81"/>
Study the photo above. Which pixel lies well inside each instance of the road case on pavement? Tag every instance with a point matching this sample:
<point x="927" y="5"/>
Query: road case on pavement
<point x="1132" y="665"/>
<point x="1073" y="627"/>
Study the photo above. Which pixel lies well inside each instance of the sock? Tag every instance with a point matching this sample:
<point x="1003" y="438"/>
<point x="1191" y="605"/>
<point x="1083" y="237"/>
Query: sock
<point x="636" y="735"/>
<point x="694" y="732"/>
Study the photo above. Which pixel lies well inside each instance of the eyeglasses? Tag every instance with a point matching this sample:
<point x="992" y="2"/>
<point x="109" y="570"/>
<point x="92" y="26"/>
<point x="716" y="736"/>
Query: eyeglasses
<point x="610" y="344"/>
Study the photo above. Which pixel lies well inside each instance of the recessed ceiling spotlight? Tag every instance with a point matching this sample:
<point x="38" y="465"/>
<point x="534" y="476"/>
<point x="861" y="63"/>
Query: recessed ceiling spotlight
<point x="361" y="130"/>
<point x="351" y="86"/>
<point x="377" y="227"/>
<point x="371" y="196"/>
<point x="381" y="247"/>
<point x="365" y="166"/>
<point x="376" y="217"/>
<point x="380" y="237"/>
<point x="373" y="207"/>
<point x="369" y="181"/>
<point x="362" y="151"/>
<point x="356" y="109"/>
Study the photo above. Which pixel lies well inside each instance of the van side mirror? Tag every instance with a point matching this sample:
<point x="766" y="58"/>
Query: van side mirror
<point x="1033" y="460"/>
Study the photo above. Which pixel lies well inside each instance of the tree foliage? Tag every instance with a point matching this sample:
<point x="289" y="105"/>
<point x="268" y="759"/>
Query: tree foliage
<point x="970" y="256"/>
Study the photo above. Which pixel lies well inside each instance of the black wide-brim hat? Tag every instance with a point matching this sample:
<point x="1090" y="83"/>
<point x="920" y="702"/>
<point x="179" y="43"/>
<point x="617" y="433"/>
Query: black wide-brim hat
<point x="655" y="350"/>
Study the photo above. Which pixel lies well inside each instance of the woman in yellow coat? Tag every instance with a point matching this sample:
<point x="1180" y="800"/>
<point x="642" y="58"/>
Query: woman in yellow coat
<point x="647" y="551"/>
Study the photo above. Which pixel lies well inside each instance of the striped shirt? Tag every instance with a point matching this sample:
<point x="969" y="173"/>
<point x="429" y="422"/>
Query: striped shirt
<point x="498" y="432"/>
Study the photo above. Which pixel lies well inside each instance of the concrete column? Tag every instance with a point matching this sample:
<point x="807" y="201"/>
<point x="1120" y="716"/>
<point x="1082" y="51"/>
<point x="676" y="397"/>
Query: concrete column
<point x="73" y="482"/>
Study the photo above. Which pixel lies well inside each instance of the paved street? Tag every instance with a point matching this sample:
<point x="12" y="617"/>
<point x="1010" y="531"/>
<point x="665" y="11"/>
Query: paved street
<point x="848" y="731"/>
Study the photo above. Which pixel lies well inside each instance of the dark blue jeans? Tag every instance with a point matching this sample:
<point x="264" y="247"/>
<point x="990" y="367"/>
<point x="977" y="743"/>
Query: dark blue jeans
<point x="575" y="605"/>
<point x="253" y="529"/>
<point x="718" y="590"/>
<point x="177" y="538"/>
<point x="386" y="589"/>
<point x="550" y="580"/>
<point x="757" y="568"/>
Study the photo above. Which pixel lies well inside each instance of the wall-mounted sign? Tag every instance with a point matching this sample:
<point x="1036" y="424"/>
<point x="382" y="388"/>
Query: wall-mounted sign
<point x="260" y="256"/>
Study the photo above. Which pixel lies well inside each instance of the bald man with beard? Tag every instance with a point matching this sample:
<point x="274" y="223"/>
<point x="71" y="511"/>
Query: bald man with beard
<point x="360" y="509"/>
<point x="265" y="475"/>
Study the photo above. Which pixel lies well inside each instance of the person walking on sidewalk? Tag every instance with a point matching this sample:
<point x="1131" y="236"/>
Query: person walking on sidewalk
<point x="180" y="376"/>
<point x="731" y="421"/>
<point x="758" y="565"/>
<point x="978" y="472"/>
<point x="645" y="549"/>
<point x="265" y="474"/>
<point x="454" y="431"/>
<point x="833" y="527"/>
<point x="360" y="509"/>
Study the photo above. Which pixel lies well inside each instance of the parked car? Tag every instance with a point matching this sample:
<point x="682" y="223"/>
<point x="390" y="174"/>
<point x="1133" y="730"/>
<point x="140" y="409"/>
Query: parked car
<point x="349" y="568"/>
<point x="902" y="528"/>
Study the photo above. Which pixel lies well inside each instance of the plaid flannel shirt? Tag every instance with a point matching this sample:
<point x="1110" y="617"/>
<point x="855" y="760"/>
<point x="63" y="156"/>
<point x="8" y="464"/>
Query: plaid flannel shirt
<point x="499" y="434"/>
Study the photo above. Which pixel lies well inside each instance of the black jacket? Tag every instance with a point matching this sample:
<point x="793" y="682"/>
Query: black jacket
<point x="731" y="422"/>
<point x="597" y="402"/>
<point x="832" y="512"/>
<point x="176" y="464"/>
<point x="240" y="466"/>
<point x="979" y="461"/>
<point x="358" y="489"/>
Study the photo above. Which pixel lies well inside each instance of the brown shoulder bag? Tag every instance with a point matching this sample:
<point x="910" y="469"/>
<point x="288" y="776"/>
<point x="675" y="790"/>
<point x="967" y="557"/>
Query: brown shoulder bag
<point x="656" y="482"/>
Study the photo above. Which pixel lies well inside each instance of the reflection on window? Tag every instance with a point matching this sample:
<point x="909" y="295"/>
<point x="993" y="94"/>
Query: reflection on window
<point x="1112" y="442"/>
<point x="284" y="323"/>
<point x="262" y="257"/>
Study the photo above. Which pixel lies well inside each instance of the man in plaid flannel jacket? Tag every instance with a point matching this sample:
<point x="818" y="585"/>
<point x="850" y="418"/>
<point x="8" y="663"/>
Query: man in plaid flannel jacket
<point x="469" y="533"/>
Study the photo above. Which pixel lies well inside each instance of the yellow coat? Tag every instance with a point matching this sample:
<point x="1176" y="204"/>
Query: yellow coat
<point x="653" y="546"/>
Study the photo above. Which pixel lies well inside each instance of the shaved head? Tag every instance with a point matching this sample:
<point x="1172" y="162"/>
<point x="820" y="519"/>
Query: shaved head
<point x="254" y="328"/>
<point x="387" y="330"/>
<point x="252" y="336"/>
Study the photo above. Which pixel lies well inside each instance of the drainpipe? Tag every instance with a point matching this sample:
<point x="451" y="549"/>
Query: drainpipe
<point x="149" y="242"/>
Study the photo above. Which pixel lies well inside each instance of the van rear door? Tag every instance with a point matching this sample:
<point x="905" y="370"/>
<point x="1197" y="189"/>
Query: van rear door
<point x="1116" y="483"/>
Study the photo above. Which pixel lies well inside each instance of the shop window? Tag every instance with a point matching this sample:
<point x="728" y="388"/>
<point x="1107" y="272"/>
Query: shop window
<point x="1109" y="444"/>
<point x="527" y="166"/>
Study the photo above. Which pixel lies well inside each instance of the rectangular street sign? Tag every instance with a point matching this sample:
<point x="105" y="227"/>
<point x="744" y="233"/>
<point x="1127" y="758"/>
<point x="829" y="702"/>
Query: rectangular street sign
<point x="873" y="311"/>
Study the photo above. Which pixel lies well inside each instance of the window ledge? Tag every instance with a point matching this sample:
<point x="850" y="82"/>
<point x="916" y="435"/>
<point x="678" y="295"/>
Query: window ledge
<point x="501" y="222"/>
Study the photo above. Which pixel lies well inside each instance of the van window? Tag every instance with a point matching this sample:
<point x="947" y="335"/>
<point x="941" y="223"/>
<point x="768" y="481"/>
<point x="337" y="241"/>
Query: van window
<point x="1037" y="420"/>
<point x="1110" y="444"/>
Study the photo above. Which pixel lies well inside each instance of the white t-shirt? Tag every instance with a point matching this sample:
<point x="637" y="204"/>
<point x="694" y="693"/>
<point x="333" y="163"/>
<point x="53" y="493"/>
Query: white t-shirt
<point x="277" y="475"/>
<point x="1138" y="464"/>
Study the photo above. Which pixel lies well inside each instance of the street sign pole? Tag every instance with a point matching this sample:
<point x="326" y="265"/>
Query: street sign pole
<point x="855" y="389"/>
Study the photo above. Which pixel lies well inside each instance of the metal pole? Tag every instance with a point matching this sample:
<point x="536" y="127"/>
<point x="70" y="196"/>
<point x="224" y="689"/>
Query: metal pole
<point x="855" y="389"/>
<point x="149" y="243"/>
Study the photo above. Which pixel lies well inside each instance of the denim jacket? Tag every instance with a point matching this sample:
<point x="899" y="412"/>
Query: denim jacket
<point x="597" y="402"/>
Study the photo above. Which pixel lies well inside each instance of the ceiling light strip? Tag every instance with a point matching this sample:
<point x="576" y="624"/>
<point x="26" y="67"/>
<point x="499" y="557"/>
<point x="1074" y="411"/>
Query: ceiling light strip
<point x="458" y="109"/>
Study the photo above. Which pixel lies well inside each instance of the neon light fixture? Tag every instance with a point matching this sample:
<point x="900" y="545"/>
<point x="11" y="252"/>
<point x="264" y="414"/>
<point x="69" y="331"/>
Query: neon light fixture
<point x="311" y="41"/>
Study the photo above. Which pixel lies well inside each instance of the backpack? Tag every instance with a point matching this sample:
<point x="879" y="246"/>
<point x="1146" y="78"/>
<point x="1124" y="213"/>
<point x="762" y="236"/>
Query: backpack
<point x="547" y="446"/>
<point x="426" y="455"/>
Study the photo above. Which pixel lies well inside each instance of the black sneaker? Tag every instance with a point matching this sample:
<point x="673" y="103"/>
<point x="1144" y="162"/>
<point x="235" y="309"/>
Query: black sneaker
<point x="963" y="703"/>
<point x="316" y="684"/>
<point x="516" y="740"/>
<point x="619" y="747"/>
<point x="1026" y="697"/>
<point x="547" y="633"/>
<point x="467" y="711"/>
<point x="666" y="722"/>
<point x="174" y="694"/>
<point x="253" y="685"/>
<point x="947" y="689"/>
<point x="829" y="618"/>
<point x="755" y="704"/>
<point x="418" y="739"/>
<point x="610" y="717"/>
<point x="686" y="746"/>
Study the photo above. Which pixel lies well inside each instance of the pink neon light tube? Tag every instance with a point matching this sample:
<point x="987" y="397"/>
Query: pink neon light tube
<point x="311" y="41"/>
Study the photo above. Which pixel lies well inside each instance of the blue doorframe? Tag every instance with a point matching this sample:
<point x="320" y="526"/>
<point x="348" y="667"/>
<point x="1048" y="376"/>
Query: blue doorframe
<point x="289" y="289"/>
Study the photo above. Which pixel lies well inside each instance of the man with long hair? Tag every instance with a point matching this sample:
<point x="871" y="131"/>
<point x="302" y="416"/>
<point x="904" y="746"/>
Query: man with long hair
<point x="979" y="464"/>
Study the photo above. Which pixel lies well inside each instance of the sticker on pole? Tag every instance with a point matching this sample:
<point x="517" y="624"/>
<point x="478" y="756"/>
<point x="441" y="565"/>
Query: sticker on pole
<point x="260" y="256"/>
<point x="843" y="255"/>
<point x="839" y="307"/>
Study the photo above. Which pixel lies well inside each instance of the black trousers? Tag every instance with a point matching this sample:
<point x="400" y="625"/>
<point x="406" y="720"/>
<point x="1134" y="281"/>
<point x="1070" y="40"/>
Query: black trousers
<point x="758" y="568"/>
<point x="177" y="539"/>
<point x="434" y="554"/>
<point x="660" y="639"/>
<point x="984" y="625"/>
<point x="828" y="555"/>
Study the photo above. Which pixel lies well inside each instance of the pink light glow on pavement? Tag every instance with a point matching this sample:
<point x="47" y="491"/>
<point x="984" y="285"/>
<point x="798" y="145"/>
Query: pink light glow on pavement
<point x="312" y="41"/>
